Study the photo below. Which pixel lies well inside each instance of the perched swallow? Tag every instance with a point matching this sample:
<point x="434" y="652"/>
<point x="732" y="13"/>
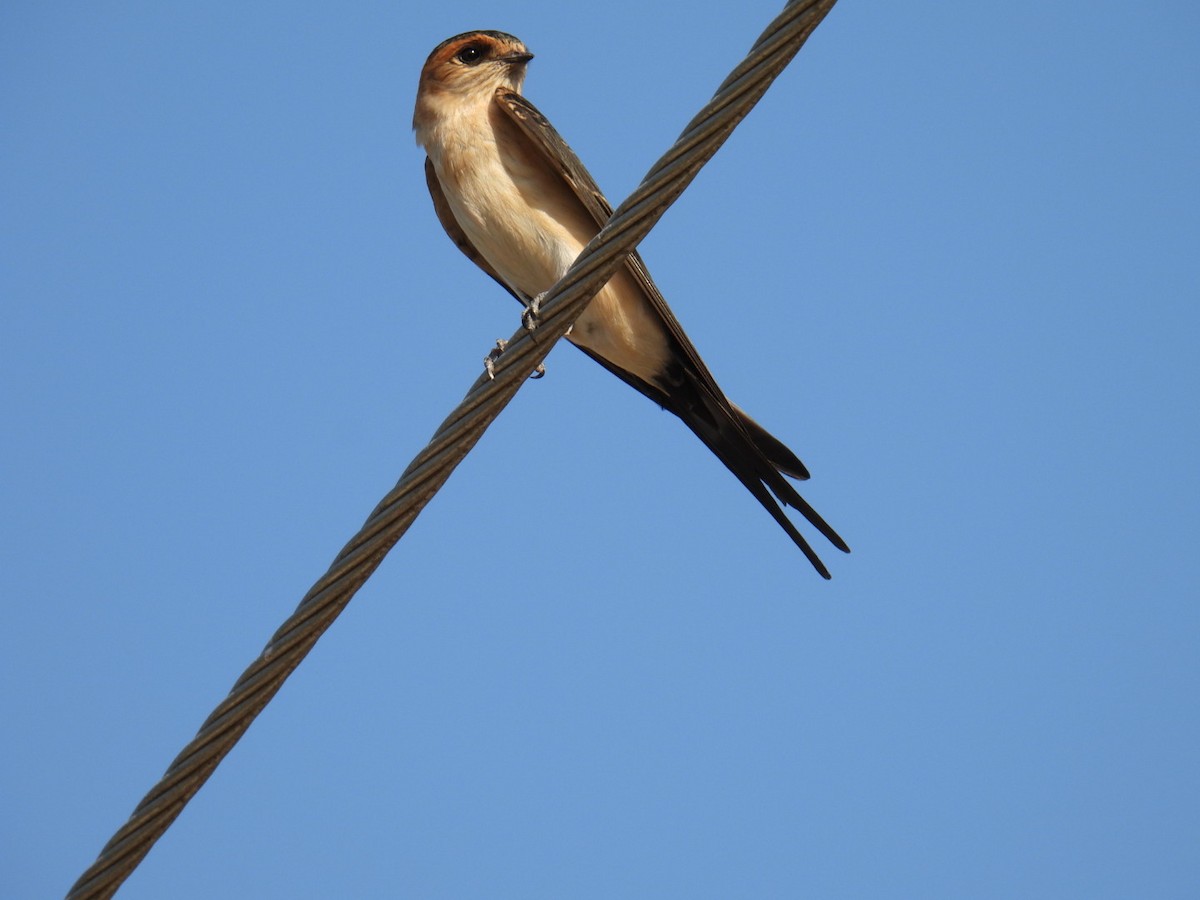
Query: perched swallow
<point x="517" y="201"/>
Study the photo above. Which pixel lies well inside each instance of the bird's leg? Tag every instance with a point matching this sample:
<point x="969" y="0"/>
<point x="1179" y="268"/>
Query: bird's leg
<point x="529" y="318"/>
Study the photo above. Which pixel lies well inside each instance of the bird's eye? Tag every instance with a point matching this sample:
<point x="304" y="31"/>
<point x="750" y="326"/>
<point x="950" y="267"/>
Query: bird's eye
<point x="470" y="54"/>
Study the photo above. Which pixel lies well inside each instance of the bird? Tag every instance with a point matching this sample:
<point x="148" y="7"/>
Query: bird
<point x="516" y="200"/>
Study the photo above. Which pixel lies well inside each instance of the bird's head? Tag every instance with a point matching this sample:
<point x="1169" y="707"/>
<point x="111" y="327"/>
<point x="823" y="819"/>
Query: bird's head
<point x="470" y="66"/>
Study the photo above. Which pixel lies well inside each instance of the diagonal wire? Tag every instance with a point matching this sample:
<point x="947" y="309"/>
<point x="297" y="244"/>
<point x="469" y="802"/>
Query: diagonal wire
<point x="452" y="441"/>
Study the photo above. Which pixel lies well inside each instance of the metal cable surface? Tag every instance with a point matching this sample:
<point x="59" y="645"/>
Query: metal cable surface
<point x="452" y="441"/>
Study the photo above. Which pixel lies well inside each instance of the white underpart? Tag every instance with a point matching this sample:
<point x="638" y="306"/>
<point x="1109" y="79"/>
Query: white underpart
<point x="528" y="224"/>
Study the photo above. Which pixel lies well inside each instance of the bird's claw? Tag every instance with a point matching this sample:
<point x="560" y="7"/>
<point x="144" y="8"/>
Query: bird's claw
<point x="529" y="316"/>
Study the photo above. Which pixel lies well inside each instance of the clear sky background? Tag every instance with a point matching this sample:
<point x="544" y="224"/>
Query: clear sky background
<point x="952" y="259"/>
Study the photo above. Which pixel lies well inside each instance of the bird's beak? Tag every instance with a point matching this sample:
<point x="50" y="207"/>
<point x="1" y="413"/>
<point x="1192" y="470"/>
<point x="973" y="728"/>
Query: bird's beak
<point x="518" y="57"/>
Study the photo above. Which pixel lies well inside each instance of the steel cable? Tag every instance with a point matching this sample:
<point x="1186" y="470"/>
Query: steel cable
<point x="632" y="220"/>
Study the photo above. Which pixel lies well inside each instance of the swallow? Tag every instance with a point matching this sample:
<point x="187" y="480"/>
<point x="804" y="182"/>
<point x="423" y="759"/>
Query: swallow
<point x="515" y="199"/>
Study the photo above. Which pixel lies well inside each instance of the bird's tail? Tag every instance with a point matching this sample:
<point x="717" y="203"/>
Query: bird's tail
<point x="757" y="458"/>
<point x="759" y="461"/>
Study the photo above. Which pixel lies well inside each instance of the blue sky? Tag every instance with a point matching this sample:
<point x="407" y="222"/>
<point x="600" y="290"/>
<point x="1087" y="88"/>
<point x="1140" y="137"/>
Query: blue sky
<point x="951" y="259"/>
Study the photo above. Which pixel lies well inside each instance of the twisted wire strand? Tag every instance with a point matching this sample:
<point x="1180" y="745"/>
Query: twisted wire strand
<point x="425" y="475"/>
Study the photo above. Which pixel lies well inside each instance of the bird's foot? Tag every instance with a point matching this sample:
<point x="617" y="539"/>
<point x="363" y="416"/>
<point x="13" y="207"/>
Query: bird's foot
<point x="489" y="361"/>
<point x="529" y="317"/>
